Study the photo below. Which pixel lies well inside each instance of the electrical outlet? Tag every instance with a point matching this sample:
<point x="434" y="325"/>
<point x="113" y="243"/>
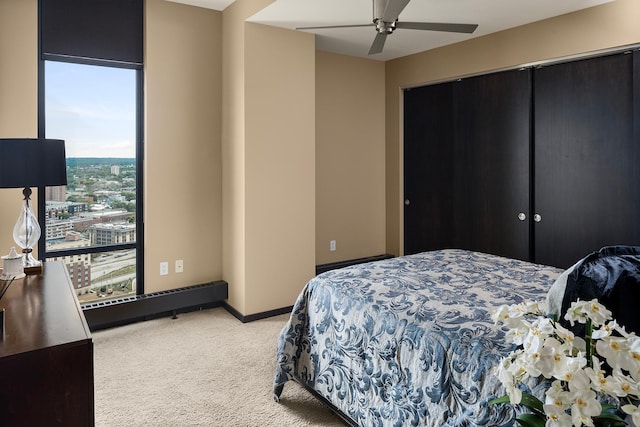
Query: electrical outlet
<point x="179" y="266"/>
<point x="332" y="245"/>
<point x="164" y="268"/>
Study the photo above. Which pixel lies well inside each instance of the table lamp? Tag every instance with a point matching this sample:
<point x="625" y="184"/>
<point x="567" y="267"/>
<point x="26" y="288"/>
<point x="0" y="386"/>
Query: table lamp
<point x="26" y="163"/>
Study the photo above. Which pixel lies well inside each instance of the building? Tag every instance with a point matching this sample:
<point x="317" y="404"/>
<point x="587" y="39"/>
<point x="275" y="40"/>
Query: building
<point x="79" y="266"/>
<point x="56" y="194"/>
<point x="109" y="234"/>
<point x="55" y="208"/>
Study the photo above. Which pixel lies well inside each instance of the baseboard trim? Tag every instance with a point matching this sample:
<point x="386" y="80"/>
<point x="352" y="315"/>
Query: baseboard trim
<point x="286" y="310"/>
<point x="322" y="268"/>
<point x="257" y="316"/>
<point x="121" y="311"/>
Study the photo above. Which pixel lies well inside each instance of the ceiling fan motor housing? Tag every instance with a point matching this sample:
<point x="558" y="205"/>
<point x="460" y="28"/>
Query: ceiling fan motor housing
<point x="383" y="27"/>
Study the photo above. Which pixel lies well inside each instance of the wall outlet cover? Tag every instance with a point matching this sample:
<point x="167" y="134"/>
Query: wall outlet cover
<point x="164" y="268"/>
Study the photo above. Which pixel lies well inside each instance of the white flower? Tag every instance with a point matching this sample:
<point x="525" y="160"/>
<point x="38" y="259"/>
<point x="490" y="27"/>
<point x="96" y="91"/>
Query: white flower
<point x="571" y="368"/>
<point x="552" y="358"/>
<point x="576" y="313"/>
<point x="580" y="345"/>
<point x="545" y="348"/>
<point x="509" y="379"/>
<point x="501" y="314"/>
<point x="604" y="331"/>
<point x="564" y="335"/>
<point x="556" y="418"/>
<point x="510" y="372"/>
<point x="624" y="385"/>
<point x="631" y="363"/>
<point x="634" y="411"/>
<point x="540" y="329"/>
<point x="557" y="396"/>
<point x="580" y="311"/>
<point x="597" y="312"/>
<point x="615" y="350"/>
<point x="557" y="401"/>
<point x="518" y="332"/>
<point x="579" y="382"/>
<point x="584" y="406"/>
<point x="510" y="317"/>
<point x="600" y="381"/>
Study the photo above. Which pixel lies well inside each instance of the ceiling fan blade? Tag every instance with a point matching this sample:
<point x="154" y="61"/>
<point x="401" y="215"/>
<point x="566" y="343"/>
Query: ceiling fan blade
<point x="378" y="43"/>
<point x="393" y="9"/>
<point x="438" y="26"/>
<point x="335" y="26"/>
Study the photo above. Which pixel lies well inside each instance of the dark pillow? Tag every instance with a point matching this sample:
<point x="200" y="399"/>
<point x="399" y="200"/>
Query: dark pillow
<point x="612" y="275"/>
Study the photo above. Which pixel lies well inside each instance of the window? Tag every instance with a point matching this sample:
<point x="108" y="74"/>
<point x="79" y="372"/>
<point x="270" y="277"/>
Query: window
<point x="92" y="223"/>
<point x="90" y="95"/>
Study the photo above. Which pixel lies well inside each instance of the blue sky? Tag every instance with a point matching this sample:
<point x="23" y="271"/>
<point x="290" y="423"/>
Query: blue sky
<point x="92" y="108"/>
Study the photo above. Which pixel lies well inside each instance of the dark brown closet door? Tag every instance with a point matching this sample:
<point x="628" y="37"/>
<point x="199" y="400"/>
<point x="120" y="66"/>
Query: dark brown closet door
<point x="491" y="180"/>
<point x="428" y="168"/>
<point x="466" y="165"/>
<point x="586" y="178"/>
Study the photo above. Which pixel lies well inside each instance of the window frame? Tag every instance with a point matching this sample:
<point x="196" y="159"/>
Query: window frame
<point x="138" y="245"/>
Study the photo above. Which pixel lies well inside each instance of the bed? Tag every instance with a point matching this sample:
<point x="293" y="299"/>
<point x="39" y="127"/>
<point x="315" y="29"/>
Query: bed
<point x="408" y="341"/>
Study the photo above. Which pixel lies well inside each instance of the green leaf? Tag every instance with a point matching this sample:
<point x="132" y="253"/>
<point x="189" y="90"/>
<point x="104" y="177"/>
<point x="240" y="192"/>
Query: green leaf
<point x="530" y="420"/>
<point x="608" y="408"/>
<point x="532" y="402"/>
<point x="608" y="419"/>
<point x="503" y="399"/>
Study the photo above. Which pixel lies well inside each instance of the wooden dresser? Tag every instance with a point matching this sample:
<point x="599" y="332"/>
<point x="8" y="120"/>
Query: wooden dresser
<point x="46" y="353"/>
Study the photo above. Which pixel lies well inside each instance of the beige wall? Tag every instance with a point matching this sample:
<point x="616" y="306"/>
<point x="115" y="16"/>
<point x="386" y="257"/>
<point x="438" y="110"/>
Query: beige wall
<point x="350" y="178"/>
<point x="280" y="166"/>
<point x="183" y="167"/>
<point x="602" y="27"/>
<point x="269" y="161"/>
<point x="18" y="95"/>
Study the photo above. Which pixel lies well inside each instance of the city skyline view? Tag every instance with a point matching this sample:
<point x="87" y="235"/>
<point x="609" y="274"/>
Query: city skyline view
<point x="94" y="110"/>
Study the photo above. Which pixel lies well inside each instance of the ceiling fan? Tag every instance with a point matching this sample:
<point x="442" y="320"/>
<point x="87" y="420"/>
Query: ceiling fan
<point x="385" y="19"/>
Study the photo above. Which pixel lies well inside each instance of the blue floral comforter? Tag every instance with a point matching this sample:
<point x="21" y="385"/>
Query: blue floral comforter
<point x="408" y="341"/>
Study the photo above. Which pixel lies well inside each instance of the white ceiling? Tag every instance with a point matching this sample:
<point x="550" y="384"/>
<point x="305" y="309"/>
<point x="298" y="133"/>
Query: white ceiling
<point x="490" y="15"/>
<point x="209" y="4"/>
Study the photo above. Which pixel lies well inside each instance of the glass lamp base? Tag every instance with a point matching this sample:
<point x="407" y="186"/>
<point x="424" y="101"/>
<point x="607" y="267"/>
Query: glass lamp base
<point x="30" y="261"/>
<point x="32" y="265"/>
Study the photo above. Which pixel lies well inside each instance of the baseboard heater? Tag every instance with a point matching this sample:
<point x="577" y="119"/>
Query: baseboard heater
<point x="120" y="311"/>
<point x="321" y="268"/>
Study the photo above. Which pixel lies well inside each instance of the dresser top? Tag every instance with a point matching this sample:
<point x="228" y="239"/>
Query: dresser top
<point x="42" y="311"/>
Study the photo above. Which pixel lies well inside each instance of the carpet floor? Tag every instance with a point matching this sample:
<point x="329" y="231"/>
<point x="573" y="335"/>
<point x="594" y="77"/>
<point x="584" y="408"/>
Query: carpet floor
<point x="204" y="368"/>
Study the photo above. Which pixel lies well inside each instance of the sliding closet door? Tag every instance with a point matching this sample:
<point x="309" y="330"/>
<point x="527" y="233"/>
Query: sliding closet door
<point x="586" y="157"/>
<point x="491" y="179"/>
<point x="466" y="165"/>
<point x="428" y="168"/>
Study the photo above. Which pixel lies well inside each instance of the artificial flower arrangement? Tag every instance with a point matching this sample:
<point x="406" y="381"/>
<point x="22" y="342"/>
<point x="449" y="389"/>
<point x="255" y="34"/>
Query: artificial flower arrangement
<point x="585" y="373"/>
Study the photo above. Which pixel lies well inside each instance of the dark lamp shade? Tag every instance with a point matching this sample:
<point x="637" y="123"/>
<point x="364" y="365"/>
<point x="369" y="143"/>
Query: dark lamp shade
<point x="26" y="162"/>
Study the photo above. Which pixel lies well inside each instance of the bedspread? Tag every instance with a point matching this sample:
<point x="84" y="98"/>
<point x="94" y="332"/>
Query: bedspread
<point x="409" y="340"/>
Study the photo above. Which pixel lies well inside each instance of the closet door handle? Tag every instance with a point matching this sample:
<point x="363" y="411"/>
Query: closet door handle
<point x="522" y="216"/>
<point x="407" y="202"/>
<point x="537" y="218"/>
